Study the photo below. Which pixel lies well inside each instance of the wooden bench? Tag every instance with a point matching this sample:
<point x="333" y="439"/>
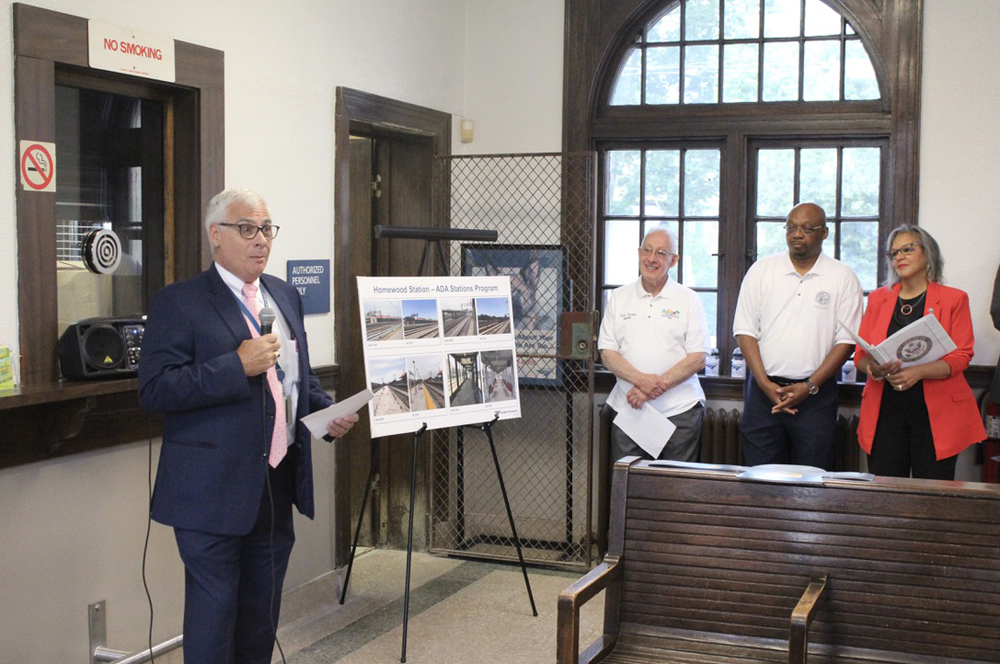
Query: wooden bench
<point x="705" y="566"/>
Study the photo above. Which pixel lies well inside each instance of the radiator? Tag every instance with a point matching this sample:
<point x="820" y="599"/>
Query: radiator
<point x="720" y="439"/>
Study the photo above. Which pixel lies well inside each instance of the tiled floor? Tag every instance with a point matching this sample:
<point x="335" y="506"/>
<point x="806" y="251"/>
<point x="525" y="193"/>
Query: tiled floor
<point x="460" y="612"/>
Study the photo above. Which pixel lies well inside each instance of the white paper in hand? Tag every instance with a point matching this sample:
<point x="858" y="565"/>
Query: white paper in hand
<point x="648" y="427"/>
<point x="316" y="422"/>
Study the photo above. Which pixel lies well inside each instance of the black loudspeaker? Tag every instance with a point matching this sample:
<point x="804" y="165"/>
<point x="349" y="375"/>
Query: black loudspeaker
<point x="101" y="348"/>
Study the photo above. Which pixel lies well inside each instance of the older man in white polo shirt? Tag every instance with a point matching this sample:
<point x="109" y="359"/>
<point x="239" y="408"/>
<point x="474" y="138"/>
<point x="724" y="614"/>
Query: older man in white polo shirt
<point x="654" y="339"/>
<point x="786" y="326"/>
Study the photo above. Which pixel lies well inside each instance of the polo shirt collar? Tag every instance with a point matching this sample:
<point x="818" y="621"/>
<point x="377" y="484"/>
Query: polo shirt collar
<point x="818" y="268"/>
<point x="665" y="292"/>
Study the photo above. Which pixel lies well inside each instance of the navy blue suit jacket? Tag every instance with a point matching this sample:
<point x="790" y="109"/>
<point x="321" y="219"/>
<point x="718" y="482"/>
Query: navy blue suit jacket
<point x="216" y="431"/>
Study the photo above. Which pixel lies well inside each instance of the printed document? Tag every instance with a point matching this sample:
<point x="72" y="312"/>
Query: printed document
<point x="920" y="342"/>
<point x="648" y="427"/>
<point x="316" y="422"/>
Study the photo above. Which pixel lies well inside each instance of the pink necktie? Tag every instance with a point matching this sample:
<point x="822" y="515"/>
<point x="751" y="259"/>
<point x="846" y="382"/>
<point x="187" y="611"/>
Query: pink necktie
<point x="279" y="439"/>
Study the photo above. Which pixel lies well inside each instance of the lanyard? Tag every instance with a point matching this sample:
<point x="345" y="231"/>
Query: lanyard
<point x="246" y="311"/>
<point x="256" y="325"/>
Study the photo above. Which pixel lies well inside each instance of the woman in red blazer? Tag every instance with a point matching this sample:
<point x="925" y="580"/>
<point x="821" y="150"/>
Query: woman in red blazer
<point x="916" y="417"/>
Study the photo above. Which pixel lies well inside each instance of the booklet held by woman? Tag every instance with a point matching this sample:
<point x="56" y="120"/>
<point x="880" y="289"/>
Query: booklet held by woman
<point x="920" y="342"/>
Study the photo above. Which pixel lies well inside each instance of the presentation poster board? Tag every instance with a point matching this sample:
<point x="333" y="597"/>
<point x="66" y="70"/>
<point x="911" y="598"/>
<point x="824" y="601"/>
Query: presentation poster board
<point x="438" y="351"/>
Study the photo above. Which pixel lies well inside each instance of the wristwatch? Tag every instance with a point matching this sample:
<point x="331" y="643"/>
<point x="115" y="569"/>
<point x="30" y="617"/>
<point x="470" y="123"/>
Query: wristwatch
<point x="813" y="389"/>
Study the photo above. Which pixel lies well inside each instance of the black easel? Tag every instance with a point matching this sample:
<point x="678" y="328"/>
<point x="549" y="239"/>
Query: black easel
<point x="487" y="427"/>
<point x="409" y="538"/>
<point x="437" y="236"/>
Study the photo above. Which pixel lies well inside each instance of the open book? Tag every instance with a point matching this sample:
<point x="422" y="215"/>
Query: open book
<point x="920" y="342"/>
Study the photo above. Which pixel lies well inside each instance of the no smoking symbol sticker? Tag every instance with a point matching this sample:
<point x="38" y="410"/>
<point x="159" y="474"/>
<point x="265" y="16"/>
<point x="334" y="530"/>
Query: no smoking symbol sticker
<point x="38" y="166"/>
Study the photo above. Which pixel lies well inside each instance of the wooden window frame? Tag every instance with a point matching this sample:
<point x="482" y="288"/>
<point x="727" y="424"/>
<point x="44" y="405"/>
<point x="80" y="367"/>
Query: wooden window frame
<point x="47" y="417"/>
<point x="43" y="41"/>
<point x="598" y="34"/>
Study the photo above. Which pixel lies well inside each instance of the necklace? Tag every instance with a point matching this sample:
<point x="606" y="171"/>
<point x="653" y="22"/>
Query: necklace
<point x="907" y="308"/>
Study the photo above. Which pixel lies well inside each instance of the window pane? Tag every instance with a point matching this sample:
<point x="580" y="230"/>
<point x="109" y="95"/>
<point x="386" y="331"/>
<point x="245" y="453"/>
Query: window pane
<point x="781" y="71"/>
<point x="701" y="246"/>
<point x="818" y="178"/>
<point x="663" y="168"/>
<point x="859" y="249"/>
<point x="861" y="182"/>
<point x="701" y="74"/>
<point x="668" y="28"/>
<point x="742" y="19"/>
<point x="711" y="303"/>
<point x="821" y="19"/>
<point x="821" y="75"/>
<point x="100" y="200"/>
<point x="627" y="87"/>
<point x="662" y="75"/>
<point x="859" y="75"/>
<point x="702" y="19"/>
<point x="775" y="183"/>
<point x="621" y="251"/>
<point x="622" y="195"/>
<point x="770" y="238"/>
<point x="782" y="18"/>
<point x="740" y="73"/>
<point x="701" y="183"/>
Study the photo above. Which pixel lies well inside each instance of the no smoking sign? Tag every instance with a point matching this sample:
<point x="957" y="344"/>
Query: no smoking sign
<point x="38" y="166"/>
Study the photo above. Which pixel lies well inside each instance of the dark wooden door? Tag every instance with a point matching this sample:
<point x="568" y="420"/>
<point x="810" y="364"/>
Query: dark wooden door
<point x="397" y="144"/>
<point x="391" y="185"/>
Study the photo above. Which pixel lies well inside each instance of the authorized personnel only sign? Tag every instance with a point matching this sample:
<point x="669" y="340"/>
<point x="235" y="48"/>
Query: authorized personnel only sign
<point x="133" y="52"/>
<point x="38" y="166"/>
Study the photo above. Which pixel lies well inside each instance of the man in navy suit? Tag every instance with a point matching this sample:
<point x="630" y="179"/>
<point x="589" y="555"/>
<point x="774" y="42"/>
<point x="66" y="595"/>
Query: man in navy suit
<point x="235" y="455"/>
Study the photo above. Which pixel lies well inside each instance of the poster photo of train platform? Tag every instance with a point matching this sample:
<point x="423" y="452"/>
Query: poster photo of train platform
<point x="438" y="351"/>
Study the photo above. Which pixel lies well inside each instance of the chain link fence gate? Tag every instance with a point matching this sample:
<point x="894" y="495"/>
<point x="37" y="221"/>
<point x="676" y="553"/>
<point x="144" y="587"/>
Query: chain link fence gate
<point x="543" y="208"/>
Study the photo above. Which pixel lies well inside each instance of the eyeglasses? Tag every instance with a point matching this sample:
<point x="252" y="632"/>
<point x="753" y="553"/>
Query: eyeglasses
<point x="660" y="253"/>
<point x="249" y="231"/>
<point x="906" y="250"/>
<point x="790" y="229"/>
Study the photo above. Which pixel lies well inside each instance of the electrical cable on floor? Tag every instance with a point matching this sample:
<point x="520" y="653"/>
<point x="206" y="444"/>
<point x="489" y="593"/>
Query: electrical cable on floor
<point x="270" y="537"/>
<point x="149" y="525"/>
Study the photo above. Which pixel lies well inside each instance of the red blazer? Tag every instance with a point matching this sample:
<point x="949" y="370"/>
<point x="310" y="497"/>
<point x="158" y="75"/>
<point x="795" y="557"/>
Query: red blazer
<point x="954" y="416"/>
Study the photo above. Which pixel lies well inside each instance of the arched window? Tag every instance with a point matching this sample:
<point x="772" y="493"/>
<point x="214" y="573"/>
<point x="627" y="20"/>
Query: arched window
<point x="715" y="117"/>
<point x="738" y="51"/>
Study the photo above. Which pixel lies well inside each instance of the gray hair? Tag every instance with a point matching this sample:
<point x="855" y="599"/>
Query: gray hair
<point x="661" y="229"/>
<point x="935" y="263"/>
<point x="222" y="201"/>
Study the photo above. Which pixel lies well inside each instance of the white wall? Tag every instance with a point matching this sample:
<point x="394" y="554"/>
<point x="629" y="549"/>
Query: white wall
<point x="513" y="76"/>
<point x="72" y="528"/>
<point x="959" y="153"/>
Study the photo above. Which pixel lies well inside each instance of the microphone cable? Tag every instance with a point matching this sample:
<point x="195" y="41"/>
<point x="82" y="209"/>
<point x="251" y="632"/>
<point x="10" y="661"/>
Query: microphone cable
<point x="149" y="526"/>
<point x="270" y="499"/>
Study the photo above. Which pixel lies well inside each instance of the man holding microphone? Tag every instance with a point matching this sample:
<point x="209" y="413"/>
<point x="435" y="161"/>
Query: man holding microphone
<point x="235" y="456"/>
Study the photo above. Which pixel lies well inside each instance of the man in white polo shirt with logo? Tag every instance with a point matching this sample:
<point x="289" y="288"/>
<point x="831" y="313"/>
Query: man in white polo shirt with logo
<point x="786" y="326"/>
<point x="654" y="339"/>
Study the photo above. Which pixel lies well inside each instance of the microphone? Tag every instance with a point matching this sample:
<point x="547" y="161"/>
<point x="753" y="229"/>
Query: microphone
<point x="266" y="316"/>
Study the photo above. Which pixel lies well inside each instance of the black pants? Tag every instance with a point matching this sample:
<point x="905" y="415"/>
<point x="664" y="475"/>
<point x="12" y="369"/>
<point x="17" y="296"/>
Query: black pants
<point x="903" y="441"/>
<point x="805" y="439"/>
<point x="233" y="583"/>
